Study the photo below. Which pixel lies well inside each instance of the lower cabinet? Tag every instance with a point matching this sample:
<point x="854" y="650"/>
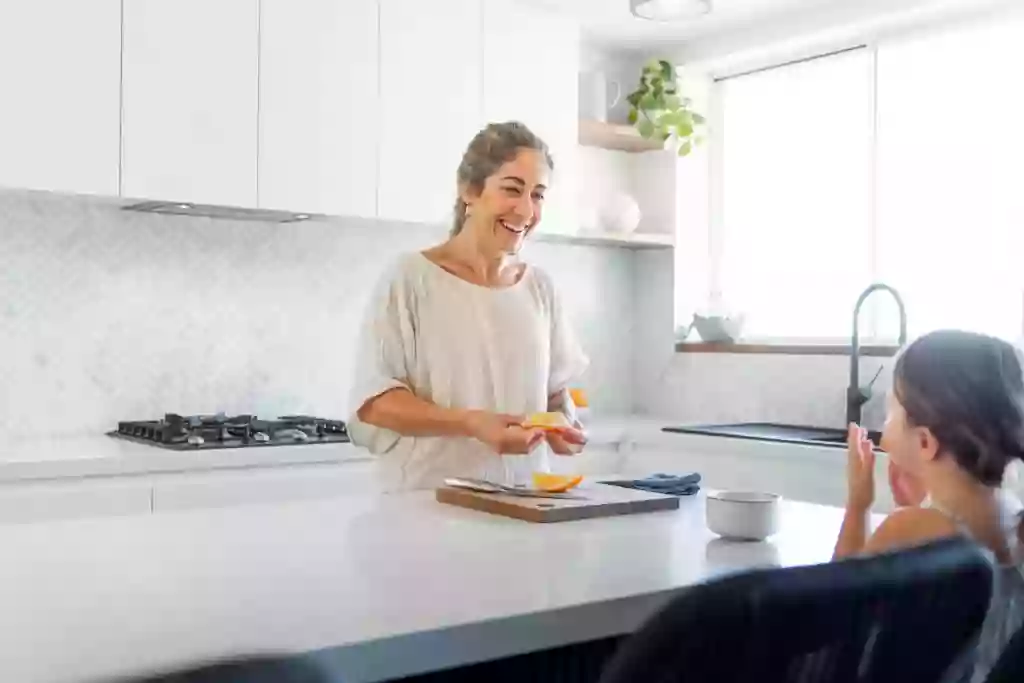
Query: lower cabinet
<point x="265" y="485"/>
<point x="53" y="500"/>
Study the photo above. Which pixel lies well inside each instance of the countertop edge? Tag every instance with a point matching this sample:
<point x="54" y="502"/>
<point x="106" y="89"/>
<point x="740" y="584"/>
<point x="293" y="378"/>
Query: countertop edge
<point x="467" y="644"/>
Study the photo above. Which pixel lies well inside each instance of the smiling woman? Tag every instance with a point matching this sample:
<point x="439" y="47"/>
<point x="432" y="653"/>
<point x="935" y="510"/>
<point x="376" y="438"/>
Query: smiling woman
<point x="464" y="340"/>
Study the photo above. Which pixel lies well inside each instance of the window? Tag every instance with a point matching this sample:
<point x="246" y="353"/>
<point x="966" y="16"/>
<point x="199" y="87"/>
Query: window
<point x="900" y="163"/>
<point x="950" y="168"/>
<point x="796" y="195"/>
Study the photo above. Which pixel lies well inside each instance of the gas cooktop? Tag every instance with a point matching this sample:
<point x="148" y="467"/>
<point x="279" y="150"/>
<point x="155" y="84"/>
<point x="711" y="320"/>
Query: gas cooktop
<point x="196" y="432"/>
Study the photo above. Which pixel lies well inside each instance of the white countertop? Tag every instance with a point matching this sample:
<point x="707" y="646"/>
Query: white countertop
<point x="102" y="455"/>
<point x="382" y="585"/>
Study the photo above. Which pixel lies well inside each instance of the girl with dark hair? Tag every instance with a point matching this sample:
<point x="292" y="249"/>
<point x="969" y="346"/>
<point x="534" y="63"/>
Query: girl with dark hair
<point x="955" y="422"/>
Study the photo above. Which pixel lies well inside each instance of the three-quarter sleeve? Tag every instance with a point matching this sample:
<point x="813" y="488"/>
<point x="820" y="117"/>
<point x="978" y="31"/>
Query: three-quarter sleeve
<point x="568" y="360"/>
<point x="385" y="357"/>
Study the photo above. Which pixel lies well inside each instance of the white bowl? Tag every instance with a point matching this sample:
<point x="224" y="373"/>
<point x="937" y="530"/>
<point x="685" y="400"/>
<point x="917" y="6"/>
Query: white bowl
<point x="743" y="515"/>
<point x="717" y="328"/>
<point x="620" y="213"/>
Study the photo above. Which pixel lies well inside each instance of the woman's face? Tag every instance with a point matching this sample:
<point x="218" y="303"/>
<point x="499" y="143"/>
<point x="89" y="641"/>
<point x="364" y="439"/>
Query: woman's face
<point x="509" y="205"/>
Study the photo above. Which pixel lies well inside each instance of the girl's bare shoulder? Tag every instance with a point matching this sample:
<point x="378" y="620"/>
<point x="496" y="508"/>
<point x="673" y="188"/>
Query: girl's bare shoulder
<point x="911" y="526"/>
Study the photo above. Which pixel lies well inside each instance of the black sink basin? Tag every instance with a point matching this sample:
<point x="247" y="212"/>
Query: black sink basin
<point x="770" y="431"/>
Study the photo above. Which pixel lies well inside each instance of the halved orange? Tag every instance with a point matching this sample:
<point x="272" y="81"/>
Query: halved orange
<point x="547" y="421"/>
<point x="579" y="397"/>
<point x="555" y="483"/>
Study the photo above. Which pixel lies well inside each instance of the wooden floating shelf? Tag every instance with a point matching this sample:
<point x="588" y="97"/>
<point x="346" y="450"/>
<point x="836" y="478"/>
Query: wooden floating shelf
<point x="615" y="136"/>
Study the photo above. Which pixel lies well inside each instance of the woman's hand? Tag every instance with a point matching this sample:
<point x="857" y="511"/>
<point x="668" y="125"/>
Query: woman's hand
<point x="503" y="433"/>
<point x="860" y="469"/>
<point x="568" y="441"/>
<point x="907" y="489"/>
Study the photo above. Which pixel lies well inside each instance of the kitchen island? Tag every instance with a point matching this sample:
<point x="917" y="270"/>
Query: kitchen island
<point x="374" y="587"/>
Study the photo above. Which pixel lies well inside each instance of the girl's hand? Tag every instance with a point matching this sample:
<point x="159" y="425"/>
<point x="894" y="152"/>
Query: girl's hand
<point x="502" y="433"/>
<point x="860" y="469"/>
<point x="568" y="441"/>
<point x="907" y="489"/>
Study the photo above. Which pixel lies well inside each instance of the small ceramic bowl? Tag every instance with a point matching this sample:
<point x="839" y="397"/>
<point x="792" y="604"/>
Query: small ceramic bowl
<point x="717" y="328"/>
<point x="743" y="515"/>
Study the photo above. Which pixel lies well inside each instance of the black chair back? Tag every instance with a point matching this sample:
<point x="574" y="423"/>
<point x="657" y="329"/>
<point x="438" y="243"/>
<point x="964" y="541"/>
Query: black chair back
<point x="250" y="669"/>
<point x="900" y="617"/>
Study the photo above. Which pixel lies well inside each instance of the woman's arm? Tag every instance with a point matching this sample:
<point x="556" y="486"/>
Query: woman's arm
<point x="401" y="411"/>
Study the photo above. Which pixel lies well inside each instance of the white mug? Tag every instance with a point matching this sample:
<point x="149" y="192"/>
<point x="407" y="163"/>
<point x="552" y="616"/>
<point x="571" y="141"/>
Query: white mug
<point x="598" y="94"/>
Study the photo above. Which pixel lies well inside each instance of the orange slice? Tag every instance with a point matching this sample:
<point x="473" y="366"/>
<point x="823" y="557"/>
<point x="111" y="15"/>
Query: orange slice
<point x="579" y="397"/>
<point x="547" y="421"/>
<point x="555" y="483"/>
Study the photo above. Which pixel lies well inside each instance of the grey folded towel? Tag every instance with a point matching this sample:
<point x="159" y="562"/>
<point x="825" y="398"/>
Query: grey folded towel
<point x="668" y="484"/>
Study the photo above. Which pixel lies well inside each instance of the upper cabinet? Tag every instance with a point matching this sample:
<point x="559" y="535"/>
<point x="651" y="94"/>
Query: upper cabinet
<point x="59" y="101"/>
<point x="319" y="106"/>
<point x="190" y="100"/>
<point x="531" y="65"/>
<point x="430" y="103"/>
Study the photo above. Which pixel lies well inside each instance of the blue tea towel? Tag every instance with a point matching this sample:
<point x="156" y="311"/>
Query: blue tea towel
<point x="669" y="484"/>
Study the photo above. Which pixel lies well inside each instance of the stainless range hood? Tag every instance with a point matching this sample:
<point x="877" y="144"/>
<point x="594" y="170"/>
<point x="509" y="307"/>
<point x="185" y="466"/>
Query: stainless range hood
<point x="216" y="211"/>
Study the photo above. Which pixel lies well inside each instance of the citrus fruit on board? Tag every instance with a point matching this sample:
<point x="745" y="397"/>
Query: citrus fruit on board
<point x="547" y="421"/>
<point x="555" y="483"/>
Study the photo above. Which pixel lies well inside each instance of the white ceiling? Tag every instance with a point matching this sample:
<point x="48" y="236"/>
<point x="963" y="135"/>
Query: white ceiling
<point x="608" y="23"/>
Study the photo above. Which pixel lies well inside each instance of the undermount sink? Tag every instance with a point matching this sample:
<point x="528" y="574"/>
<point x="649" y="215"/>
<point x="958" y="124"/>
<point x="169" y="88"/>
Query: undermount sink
<point x="770" y="431"/>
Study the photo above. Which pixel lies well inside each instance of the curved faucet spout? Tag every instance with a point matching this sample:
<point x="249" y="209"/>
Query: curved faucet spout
<point x="856" y="396"/>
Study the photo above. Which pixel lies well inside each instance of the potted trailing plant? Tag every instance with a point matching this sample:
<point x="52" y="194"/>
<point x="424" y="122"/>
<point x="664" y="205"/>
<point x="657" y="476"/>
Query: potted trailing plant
<point x="659" y="112"/>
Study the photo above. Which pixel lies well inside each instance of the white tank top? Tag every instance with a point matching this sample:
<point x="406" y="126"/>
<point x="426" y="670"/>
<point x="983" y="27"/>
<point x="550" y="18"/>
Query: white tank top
<point x="1006" y="608"/>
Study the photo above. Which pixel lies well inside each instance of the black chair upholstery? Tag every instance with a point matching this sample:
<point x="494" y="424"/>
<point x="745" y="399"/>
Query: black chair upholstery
<point x="253" y="669"/>
<point x="1009" y="668"/>
<point x="899" y="617"/>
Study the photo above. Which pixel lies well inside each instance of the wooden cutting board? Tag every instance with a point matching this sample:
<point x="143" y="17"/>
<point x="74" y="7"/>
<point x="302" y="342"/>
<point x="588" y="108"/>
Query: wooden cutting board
<point x="597" y="500"/>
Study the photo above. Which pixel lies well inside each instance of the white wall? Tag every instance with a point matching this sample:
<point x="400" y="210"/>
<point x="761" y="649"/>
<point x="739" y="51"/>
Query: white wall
<point x="108" y="315"/>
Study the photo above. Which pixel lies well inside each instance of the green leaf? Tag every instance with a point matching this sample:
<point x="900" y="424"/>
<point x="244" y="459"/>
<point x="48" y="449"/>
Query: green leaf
<point x="647" y="102"/>
<point x="646" y="128"/>
<point x="634" y="98"/>
<point x="698" y="119"/>
<point x="632" y="116"/>
<point x="685" y="148"/>
<point x="672" y="101"/>
<point x="684" y="130"/>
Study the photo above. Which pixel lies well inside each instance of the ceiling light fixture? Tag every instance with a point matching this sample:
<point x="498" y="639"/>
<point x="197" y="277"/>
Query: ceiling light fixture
<point x="669" y="10"/>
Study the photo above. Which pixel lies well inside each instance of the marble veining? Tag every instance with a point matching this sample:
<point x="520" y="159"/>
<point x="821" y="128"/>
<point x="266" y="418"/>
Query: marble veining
<point x="108" y="315"/>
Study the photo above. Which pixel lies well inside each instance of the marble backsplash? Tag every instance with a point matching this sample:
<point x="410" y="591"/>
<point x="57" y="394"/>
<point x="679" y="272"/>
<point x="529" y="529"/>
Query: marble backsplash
<point x="108" y="315"/>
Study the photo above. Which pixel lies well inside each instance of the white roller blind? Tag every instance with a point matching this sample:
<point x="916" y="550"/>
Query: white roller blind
<point x="796" y="169"/>
<point x="951" y="176"/>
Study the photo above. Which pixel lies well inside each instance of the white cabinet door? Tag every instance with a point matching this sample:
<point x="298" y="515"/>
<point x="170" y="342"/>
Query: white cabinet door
<point x="59" y="94"/>
<point x="73" y="498"/>
<point x="531" y="65"/>
<point x="264" y="485"/>
<point x="319" y="106"/>
<point x="190" y="100"/>
<point x="430" y="104"/>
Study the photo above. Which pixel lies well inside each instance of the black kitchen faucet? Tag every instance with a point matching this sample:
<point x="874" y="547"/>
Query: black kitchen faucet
<point x="856" y="395"/>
